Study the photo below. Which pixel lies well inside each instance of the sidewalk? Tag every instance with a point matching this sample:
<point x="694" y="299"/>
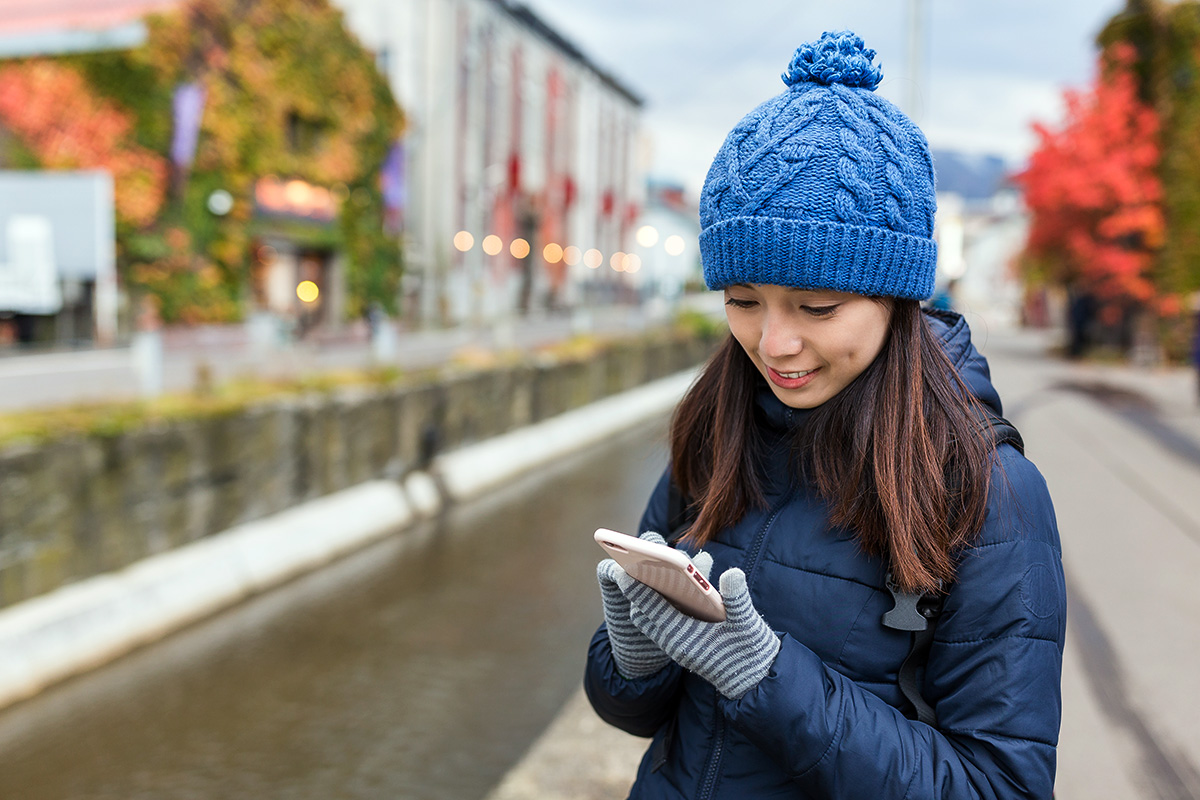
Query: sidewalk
<point x="579" y="757"/>
<point x="1129" y="514"/>
<point x="190" y="357"/>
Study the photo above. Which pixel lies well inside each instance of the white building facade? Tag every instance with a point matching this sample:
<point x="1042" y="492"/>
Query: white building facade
<point x="523" y="162"/>
<point x="667" y="247"/>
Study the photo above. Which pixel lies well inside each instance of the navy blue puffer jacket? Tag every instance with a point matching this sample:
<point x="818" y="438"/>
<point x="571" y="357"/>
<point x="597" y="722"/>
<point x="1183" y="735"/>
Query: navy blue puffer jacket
<point x="826" y="721"/>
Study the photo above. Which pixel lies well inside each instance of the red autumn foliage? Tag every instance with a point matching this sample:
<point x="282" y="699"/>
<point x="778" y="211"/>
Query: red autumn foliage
<point x="51" y="109"/>
<point x="1093" y="189"/>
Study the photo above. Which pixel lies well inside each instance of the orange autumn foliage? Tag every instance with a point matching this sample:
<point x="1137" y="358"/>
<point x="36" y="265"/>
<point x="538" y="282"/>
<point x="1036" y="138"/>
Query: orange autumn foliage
<point x="51" y="108"/>
<point x="1093" y="189"/>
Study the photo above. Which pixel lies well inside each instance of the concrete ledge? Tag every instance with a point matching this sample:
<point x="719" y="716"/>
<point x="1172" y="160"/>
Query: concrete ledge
<point x="88" y="623"/>
<point x="85" y="624"/>
<point x="473" y="470"/>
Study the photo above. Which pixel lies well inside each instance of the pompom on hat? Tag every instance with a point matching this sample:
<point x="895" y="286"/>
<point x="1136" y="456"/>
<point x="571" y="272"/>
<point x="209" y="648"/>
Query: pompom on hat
<point x="824" y="186"/>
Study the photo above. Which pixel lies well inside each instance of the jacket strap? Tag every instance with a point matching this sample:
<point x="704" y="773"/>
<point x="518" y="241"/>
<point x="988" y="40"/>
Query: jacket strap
<point x="909" y="685"/>
<point x="918" y="613"/>
<point x="679" y="515"/>
<point x="1003" y="431"/>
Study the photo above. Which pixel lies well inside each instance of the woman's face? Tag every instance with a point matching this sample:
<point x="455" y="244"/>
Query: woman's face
<point x="808" y="344"/>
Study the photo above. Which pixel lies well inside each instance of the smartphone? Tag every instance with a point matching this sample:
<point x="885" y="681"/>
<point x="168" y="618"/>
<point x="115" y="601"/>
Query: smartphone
<point x="666" y="570"/>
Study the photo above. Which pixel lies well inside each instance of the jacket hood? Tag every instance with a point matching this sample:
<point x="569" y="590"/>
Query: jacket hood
<point x="954" y="334"/>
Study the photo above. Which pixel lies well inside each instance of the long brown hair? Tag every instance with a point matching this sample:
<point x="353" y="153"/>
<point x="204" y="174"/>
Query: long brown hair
<point x="898" y="455"/>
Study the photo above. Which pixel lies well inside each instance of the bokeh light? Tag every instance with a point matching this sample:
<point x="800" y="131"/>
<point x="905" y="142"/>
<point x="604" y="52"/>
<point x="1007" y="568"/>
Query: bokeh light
<point x="593" y="258"/>
<point x="297" y="193"/>
<point x="519" y="248"/>
<point x="633" y="262"/>
<point x="674" y="245"/>
<point x="492" y="244"/>
<point x="307" y="291"/>
<point x="220" y="202"/>
<point x="463" y="241"/>
<point x="617" y="261"/>
<point x="572" y="255"/>
<point x="553" y="253"/>
<point x="647" y="236"/>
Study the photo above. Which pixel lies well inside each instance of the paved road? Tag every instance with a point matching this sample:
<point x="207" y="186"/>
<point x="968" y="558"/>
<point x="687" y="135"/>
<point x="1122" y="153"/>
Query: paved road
<point x="1120" y="450"/>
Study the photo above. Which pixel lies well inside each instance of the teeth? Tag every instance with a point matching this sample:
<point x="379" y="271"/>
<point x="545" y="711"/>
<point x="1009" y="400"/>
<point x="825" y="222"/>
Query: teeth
<point x="794" y="375"/>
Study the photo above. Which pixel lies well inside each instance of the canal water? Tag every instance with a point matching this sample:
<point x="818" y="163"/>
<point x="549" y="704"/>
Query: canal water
<point x="421" y="667"/>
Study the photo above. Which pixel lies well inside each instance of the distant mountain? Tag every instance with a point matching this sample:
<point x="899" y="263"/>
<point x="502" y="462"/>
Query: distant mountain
<point x="974" y="177"/>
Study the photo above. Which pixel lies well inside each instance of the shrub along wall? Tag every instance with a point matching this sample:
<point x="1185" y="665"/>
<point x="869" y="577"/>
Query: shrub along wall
<point x="83" y="505"/>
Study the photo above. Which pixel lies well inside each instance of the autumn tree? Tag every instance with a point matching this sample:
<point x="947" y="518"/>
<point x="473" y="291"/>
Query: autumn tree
<point x="1094" y="193"/>
<point x="1166" y="38"/>
<point x="51" y="108"/>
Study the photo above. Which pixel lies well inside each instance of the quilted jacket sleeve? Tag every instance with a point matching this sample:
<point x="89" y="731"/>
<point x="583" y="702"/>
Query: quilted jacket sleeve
<point x="639" y="707"/>
<point x="993" y="677"/>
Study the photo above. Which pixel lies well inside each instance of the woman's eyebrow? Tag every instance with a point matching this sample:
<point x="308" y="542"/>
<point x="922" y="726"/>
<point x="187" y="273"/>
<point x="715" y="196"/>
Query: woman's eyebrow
<point x="818" y="294"/>
<point x="815" y="293"/>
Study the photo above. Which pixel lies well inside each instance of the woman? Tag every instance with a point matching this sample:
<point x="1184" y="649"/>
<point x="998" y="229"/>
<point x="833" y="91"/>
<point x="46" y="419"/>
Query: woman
<point x="838" y="462"/>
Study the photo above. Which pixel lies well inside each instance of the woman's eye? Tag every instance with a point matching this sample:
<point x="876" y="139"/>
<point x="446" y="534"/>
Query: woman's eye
<point x="820" y="311"/>
<point x="737" y="303"/>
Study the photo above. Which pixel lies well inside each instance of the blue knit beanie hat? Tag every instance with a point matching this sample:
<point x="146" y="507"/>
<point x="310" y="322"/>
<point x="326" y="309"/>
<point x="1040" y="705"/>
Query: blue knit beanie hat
<point x="825" y="186"/>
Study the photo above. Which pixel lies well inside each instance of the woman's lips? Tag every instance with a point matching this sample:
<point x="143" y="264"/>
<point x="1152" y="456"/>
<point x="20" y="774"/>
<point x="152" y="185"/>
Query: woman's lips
<point x="791" y="380"/>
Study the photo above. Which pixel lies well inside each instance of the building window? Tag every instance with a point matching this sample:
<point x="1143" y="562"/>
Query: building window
<point x="304" y="135"/>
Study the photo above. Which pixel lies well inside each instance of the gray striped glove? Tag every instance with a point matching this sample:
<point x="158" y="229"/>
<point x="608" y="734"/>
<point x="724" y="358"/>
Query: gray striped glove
<point x="733" y="655"/>
<point x="636" y="655"/>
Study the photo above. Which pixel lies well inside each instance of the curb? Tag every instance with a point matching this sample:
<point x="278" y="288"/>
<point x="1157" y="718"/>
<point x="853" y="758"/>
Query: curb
<point x="81" y="626"/>
<point x="552" y="769"/>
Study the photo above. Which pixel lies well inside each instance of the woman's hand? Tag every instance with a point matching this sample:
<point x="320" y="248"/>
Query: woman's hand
<point x="733" y="655"/>
<point x="636" y="655"/>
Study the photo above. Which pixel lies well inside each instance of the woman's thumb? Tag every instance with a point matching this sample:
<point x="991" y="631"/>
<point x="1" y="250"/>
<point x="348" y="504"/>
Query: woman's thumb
<point x="733" y="587"/>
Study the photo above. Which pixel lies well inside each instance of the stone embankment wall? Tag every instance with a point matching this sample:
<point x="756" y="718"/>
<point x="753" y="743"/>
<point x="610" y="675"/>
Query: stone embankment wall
<point x="85" y="505"/>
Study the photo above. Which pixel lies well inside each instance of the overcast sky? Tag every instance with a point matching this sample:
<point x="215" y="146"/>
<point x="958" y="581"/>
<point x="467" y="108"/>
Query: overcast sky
<point x="989" y="68"/>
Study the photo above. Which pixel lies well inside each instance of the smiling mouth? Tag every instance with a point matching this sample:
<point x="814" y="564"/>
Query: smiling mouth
<point x="791" y="380"/>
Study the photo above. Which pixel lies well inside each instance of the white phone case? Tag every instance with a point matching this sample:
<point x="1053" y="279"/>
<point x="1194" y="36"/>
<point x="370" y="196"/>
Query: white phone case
<point x="666" y="570"/>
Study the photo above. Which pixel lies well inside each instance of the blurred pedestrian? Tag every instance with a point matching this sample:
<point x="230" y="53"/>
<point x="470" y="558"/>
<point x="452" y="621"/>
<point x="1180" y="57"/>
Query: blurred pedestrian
<point x="943" y="297"/>
<point x="1196" y="346"/>
<point x="845" y="484"/>
<point x="1081" y="311"/>
<point x="375" y="317"/>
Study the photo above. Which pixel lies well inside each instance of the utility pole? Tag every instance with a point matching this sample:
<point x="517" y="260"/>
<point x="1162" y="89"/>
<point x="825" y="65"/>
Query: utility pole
<point x="916" y="58"/>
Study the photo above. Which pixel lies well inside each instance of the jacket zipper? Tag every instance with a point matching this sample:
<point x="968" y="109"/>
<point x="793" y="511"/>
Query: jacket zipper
<point x="750" y="566"/>
<point x="752" y="559"/>
<point x="714" y="761"/>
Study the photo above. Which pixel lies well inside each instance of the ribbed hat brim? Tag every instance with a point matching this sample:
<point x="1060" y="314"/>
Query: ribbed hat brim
<point x="818" y="255"/>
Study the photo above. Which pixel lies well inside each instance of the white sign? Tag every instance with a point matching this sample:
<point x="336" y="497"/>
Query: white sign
<point x="79" y="207"/>
<point x="28" y="272"/>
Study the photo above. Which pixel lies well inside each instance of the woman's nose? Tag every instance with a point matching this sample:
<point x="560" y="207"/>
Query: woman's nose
<point x="780" y="338"/>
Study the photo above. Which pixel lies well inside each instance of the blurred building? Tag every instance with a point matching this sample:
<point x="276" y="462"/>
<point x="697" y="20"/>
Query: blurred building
<point x="666" y="255"/>
<point x="523" y="160"/>
<point x="57" y="256"/>
<point x="244" y="183"/>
